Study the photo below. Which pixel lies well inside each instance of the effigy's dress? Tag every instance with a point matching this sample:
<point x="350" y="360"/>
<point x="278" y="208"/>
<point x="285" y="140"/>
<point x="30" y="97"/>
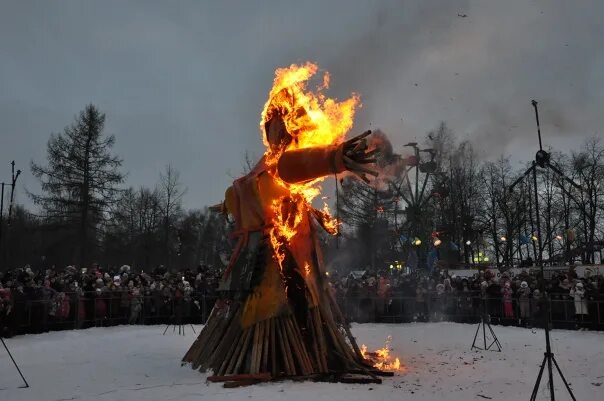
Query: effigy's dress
<point x="276" y="314"/>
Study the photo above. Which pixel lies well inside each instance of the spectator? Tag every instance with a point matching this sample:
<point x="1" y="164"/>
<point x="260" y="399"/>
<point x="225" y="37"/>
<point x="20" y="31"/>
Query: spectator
<point x="136" y="305"/>
<point x="420" y="303"/>
<point x="524" y="293"/>
<point x="508" y="309"/>
<point x="578" y="293"/>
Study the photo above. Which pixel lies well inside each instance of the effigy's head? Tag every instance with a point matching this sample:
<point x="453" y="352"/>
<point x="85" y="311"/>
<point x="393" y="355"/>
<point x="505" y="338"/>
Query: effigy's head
<point x="295" y="117"/>
<point x="285" y="120"/>
<point x="276" y="135"/>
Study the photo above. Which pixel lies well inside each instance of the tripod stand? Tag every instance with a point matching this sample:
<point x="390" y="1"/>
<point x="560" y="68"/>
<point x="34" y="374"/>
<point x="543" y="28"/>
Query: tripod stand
<point x="177" y="321"/>
<point x="14" y="363"/>
<point x="542" y="159"/>
<point x="485" y="321"/>
<point x="181" y="328"/>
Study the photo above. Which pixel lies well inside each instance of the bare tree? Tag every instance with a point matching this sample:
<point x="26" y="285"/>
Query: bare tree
<point x="589" y="166"/>
<point x="134" y="232"/>
<point x="171" y="192"/>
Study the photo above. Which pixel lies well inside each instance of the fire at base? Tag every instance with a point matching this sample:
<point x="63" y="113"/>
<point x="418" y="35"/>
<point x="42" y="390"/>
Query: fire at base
<point x="382" y="359"/>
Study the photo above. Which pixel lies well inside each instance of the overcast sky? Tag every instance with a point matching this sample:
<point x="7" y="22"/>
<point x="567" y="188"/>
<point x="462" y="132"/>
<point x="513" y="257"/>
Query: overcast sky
<point x="183" y="82"/>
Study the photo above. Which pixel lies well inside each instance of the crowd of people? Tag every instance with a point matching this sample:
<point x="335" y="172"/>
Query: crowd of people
<point x="505" y="298"/>
<point x="36" y="300"/>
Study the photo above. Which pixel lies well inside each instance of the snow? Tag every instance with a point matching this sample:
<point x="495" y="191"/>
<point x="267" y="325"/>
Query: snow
<point x="139" y="363"/>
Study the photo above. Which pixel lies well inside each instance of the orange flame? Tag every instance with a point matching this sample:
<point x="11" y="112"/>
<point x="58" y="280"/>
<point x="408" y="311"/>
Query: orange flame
<point x="306" y="269"/>
<point x="381" y="358"/>
<point x="312" y="119"/>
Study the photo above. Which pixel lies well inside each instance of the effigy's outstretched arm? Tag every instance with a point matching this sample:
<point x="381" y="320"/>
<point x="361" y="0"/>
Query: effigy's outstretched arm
<point x="307" y="164"/>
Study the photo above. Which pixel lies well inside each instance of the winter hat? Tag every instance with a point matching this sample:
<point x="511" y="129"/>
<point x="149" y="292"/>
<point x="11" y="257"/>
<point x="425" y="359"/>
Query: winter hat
<point x="99" y="281"/>
<point x="524" y="284"/>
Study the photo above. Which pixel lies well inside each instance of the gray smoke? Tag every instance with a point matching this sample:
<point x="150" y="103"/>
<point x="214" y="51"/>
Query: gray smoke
<point x="418" y="63"/>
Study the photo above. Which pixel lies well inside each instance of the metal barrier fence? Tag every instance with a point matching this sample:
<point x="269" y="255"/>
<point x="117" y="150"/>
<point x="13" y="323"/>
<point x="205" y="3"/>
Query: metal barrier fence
<point x="35" y="316"/>
<point x="466" y="309"/>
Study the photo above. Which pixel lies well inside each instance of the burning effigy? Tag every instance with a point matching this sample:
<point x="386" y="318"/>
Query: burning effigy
<point x="276" y="317"/>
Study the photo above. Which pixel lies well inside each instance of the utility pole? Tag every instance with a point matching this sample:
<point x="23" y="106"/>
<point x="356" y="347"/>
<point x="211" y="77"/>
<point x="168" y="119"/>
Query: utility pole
<point x="13" y="182"/>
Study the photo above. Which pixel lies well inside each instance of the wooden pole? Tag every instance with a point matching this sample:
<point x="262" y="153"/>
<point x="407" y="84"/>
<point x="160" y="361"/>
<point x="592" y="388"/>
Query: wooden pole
<point x="231" y="365"/>
<point x="284" y="351"/>
<point x="243" y="351"/>
<point x="274" y="368"/>
<point x="266" y="338"/>
<point x="229" y="356"/>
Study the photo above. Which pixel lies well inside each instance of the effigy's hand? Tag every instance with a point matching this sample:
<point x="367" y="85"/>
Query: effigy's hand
<point x="356" y="155"/>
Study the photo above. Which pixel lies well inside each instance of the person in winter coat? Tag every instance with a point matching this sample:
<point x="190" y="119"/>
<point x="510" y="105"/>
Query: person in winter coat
<point x="464" y="301"/>
<point x="420" y="303"/>
<point x="536" y="304"/>
<point x="136" y="305"/>
<point x="508" y="309"/>
<point x="100" y="302"/>
<point x="5" y="311"/>
<point x="524" y="293"/>
<point x="578" y="293"/>
<point x="440" y="301"/>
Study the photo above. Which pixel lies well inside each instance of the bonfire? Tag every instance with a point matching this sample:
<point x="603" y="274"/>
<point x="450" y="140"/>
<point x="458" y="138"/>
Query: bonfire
<point x="276" y="317"/>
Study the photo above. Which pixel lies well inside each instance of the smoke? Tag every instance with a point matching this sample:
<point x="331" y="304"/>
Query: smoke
<point x="389" y="164"/>
<point x="418" y="63"/>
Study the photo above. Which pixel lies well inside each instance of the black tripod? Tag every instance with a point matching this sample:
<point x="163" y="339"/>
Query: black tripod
<point x="181" y="328"/>
<point x="542" y="159"/>
<point x="485" y="322"/>
<point x="14" y="363"/>
<point x="177" y="321"/>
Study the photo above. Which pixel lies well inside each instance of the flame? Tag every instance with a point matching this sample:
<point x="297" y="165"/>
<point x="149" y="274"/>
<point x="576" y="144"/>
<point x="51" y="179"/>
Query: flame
<point x="312" y="119"/>
<point x="330" y="223"/>
<point x="306" y="268"/>
<point x="381" y="358"/>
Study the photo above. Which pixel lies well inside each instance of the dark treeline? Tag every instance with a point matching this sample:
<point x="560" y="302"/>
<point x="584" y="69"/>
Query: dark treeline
<point x="435" y="201"/>
<point x="86" y="215"/>
<point x="443" y="206"/>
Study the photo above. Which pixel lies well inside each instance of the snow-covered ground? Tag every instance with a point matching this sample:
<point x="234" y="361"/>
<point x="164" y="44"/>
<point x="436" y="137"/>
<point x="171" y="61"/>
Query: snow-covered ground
<point x="139" y="363"/>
